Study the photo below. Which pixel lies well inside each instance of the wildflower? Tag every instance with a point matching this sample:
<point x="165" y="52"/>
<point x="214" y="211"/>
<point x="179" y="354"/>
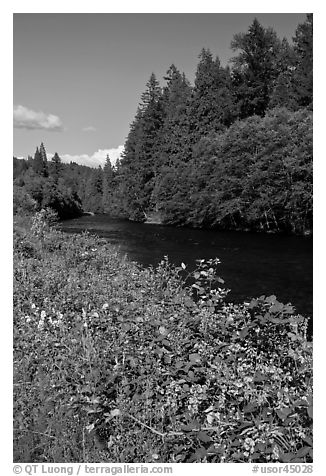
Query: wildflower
<point x="276" y="452"/>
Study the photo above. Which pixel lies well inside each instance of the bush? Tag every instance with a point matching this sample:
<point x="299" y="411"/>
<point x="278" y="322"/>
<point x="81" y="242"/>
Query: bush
<point x="118" y="363"/>
<point x="23" y="203"/>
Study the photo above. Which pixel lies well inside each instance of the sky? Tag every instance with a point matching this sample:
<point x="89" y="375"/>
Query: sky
<point x="78" y="77"/>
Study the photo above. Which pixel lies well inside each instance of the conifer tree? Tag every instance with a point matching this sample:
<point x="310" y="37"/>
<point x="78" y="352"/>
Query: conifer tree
<point x="255" y="68"/>
<point x="44" y="160"/>
<point x="94" y="191"/>
<point x="137" y="170"/>
<point x="56" y="167"/>
<point x="108" y="185"/>
<point x="283" y="93"/>
<point x="175" y="130"/>
<point x="212" y="107"/>
<point x="303" y="76"/>
<point x="174" y="147"/>
<point x="37" y="163"/>
<point x="40" y="161"/>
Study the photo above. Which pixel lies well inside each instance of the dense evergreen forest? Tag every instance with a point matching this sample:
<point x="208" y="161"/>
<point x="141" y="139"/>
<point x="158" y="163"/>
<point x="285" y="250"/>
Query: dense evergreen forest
<point x="233" y="151"/>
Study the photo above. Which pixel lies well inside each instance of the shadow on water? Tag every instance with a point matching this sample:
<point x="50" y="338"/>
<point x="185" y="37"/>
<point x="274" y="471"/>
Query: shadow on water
<point x="252" y="264"/>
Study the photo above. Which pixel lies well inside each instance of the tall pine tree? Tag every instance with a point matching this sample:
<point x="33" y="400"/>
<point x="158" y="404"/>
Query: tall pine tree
<point x="283" y="93"/>
<point x="137" y="168"/>
<point x="303" y="76"/>
<point x="255" y="68"/>
<point x="108" y="185"/>
<point x="174" y="146"/>
<point x="56" y="167"/>
<point x="212" y="107"/>
<point x="40" y="165"/>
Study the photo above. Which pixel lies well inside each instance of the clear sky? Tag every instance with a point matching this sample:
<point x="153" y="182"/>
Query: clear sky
<point x="78" y="77"/>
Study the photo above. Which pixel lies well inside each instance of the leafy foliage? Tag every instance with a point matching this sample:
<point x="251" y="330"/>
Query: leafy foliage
<point x="114" y="362"/>
<point x="225" y="153"/>
<point x="44" y="185"/>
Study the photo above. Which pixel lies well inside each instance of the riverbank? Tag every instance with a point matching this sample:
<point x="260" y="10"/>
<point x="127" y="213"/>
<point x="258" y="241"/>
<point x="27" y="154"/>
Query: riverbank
<point x="252" y="264"/>
<point x="119" y="363"/>
<point x="158" y="219"/>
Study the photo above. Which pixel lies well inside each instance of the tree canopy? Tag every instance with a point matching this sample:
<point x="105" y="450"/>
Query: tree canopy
<point x="232" y="151"/>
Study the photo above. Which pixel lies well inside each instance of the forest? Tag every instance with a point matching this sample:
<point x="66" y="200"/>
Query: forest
<point x="232" y="151"/>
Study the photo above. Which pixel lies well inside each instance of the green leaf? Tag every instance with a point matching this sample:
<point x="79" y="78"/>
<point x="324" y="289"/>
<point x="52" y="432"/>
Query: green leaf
<point x="310" y="411"/>
<point x="253" y="303"/>
<point x="286" y="457"/>
<point x="201" y="453"/>
<point x="243" y="332"/>
<point x="303" y="451"/>
<point x="259" y="377"/>
<point x="284" y="412"/>
<point x="301" y="403"/>
<point x="179" y="364"/>
<point x="204" y="437"/>
<point x="188" y="302"/>
<point x="194" y="358"/>
<point x="276" y="307"/>
<point x="251" y="407"/>
<point x="191" y="426"/>
<point x="308" y="440"/>
<point x="271" y="298"/>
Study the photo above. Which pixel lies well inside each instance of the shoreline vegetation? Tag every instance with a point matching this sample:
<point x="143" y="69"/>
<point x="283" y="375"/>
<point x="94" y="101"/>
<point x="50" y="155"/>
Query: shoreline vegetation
<point x="114" y="362"/>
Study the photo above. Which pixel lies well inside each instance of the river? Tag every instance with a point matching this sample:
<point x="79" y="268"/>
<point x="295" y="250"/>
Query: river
<point x="252" y="264"/>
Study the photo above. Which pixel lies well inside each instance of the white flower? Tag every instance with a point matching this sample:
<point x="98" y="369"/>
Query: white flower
<point x="43" y="314"/>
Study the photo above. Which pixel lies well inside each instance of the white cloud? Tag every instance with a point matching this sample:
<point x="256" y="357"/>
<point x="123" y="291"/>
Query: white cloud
<point x="25" y="118"/>
<point x="89" y="129"/>
<point x="96" y="159"/>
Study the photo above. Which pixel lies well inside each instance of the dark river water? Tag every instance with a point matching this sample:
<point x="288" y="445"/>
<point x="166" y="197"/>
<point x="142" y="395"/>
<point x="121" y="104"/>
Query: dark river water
<point x="252" y="264"/>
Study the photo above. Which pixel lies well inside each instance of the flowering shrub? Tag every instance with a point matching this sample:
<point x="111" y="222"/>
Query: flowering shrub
<point x="42" y="220"/>
<point x="114" y="362"/>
